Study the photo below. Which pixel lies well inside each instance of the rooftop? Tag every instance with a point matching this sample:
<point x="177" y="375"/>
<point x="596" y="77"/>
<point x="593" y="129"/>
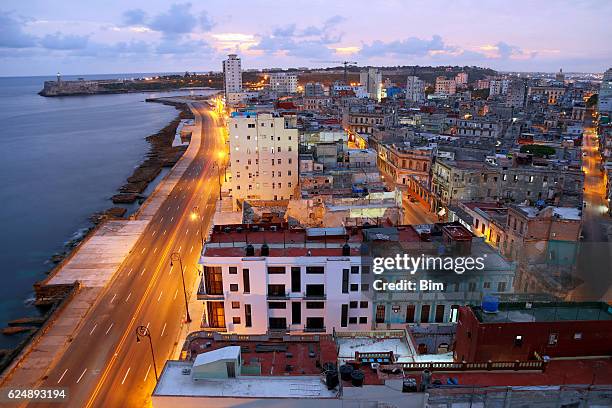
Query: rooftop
<point x="545" y="312"/>
<point x="172" y="381"/>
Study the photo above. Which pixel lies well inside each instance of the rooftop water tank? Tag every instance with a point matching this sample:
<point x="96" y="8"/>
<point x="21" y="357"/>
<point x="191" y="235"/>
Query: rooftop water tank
<point x="490" y="304"/>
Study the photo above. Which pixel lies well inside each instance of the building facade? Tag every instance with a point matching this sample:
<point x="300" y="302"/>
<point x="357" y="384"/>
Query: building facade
<point x="263" y="156"/>
<point x="232" y="75"/>
<point x="415" y="89"/>
<point x="283" y="82"/>
<point x="445" y="86"/>
<point x="372" y="81"/>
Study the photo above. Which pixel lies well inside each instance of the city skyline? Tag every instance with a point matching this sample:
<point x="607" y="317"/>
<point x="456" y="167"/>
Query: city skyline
<point x="41" y="39"/>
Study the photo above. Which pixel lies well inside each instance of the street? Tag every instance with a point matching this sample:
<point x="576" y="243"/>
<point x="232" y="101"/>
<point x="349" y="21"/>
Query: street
<point x="105" y="366"/>
<point x="594" y="264"/>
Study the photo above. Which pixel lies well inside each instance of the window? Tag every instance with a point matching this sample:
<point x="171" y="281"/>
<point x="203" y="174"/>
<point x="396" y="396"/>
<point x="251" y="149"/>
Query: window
<point x="439" y="314"/>
<point x="276" y="270"/>
<point x="487" y="285"/>
<point x="315" y="305"/>
<point x="352" y="320"/>
<point x="380" y="313"/>
<point x="233" y="287"/>
<point x="354" y="287"/>
<point x="213" y="280"/>
<point x="236" y="319"/>
<point x="233" y="270"/>
<point x="345" y="281"/>
<point x="425" y="313"/>
<point x="363" y="320"/>
<point x="365" y="269"/>
<point x="501" y="287"/>
<point x="276" y="290"/>
<point x="578" y="336"/>
<point x="216" y="314"/>
<point x="454" y="314"/>
<point x="296" y="312"/>
<point x="365" y="287"/>
<point x="277" y="305"/>
<point x="518" y="341"/>
<point x="246" y="282"/>
<point x="235" y="305"/>
<point x="315" y="290"/>
<point x="553" y="338"/>
<point x="353" y="304"/>
<point x="363" y="304"/>
<point x="354" y="269"/>
<point x="247" y="316"/>
<point x="315" y="269"/>
<point x="251" y="125"/>
<point x="472" y="287"/>
<point x="296" y="279"/>
<point x="343" y="315"/>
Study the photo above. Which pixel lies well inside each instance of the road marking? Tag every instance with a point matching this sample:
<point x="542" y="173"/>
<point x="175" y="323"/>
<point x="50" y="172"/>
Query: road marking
<point x="148" y="324"/>
<point x="130" y="271"/>
<point x="143" y="249"/>
<point x="155" y="250"/>
<point x="154" y="232"/>
<point x="171" y="219"/>
<point x="114" y="296"/>
<point x="180" y="248"/>
<point x="174" y="298"/>
<point x="125" y="376"/>
<point x="128" y="297"/>
<point x="187" y="232"/>
<point x="177" y="208"/>
<point x="81" y="376"/>
<point x="160" y="295"/>
<point x="109" y="327"/>
<point x="62" y="376"/>
<point x="147" y="374"/>
<point x="142" y="273"/>
<point x="170" y="273"/>
<point x="94" y="328"/>
<point x="163" y="330"/>
<point x="162" y="219"/>
<point x="191" y="250"/>
<point x="164" y="232"/>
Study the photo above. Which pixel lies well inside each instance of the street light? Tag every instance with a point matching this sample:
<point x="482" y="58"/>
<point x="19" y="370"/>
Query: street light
<point x="143" y="331"/>
<point x="216" y="164"/>
<point x="195" y="214"/>
<point x="175" y="256"/>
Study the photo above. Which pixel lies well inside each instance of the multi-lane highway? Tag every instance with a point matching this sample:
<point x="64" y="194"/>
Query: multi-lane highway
<point x="105" y="366"/>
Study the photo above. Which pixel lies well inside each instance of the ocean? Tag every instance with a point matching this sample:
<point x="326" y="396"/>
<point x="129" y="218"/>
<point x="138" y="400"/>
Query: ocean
<point x="61" y="159"/>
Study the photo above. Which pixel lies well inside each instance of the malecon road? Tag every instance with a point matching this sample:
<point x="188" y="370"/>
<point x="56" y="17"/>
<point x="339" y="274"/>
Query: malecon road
<point x="105" y="366"/>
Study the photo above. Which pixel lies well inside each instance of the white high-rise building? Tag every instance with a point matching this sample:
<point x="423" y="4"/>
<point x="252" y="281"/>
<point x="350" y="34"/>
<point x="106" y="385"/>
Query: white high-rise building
<point x="415" y="89"/>
<point x="283" y="82"/>
<point x="605" y="93"/>
<point x="232" y="75"/>
<point x="372" y="80"/>
<point x="498" y="86"/>
<point x="263" y="156"/>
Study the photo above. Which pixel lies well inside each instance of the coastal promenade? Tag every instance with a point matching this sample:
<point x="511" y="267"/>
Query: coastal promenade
<point x="126" y="280"/>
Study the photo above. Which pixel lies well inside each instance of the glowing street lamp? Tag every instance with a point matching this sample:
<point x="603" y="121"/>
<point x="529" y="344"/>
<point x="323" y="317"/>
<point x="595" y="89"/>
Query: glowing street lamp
<point x="175" y="256"/>
<point x="141" y="332"/>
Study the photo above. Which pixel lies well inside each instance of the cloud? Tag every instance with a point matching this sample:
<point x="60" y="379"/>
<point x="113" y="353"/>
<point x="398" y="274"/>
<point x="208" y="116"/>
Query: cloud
<point x="411" y="46"/>
<point x="177" y="20"/>
<point x="206" y="23"/>
<point x="12" y="34"/>
<point x="309" y="42"/>
<point x="507" y="51"/>
<point x="134" y="17"/>
<point x="59" y="41"/>
<point x="169" y="46"/>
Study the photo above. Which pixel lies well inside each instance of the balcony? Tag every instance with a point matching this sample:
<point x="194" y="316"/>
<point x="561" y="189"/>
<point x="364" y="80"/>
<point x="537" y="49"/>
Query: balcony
<point x="310" y="296"/>
<point x="314" y="329"/>
<point x="278" y="296"/>
<point x="202" y="295"/>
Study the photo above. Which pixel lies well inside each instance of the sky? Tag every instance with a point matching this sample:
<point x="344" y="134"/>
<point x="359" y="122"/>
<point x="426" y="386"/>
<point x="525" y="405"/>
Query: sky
<point x="41" y="37"/>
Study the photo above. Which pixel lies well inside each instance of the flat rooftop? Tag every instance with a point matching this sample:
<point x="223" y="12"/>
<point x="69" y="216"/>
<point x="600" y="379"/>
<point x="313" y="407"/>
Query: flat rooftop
<point x="172" y="382"/>
<point x="545" y="312"/>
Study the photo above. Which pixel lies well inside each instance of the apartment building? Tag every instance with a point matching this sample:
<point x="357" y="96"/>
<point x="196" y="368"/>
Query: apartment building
<point x="364" y="121"/>
<point x="461" y="78"/>
<point x="464" y="180"/>
<point x="415" y="89"/>
<point x="314" y="89"/>
<point x="445" y="86"/>
<point x="515" y="97"/>
<point x="232" y="75"/>
<point x="371" y="79"/>
<point x="263" y="156"/>
<point x="283" y="82"/>
<point x="400" y="163"/>
<point x="551" y="93"/>
<point x="474" y="127"/>
<point x="498" y="87"/>
<point x="264" y="278"/>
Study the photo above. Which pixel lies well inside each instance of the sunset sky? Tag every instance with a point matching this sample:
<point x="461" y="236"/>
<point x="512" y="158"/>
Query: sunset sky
<point x="39" y="37"/>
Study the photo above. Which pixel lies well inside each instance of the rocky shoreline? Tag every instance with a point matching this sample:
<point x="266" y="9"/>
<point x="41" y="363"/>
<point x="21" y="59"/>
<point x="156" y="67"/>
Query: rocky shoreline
<point x="161" y="154"/>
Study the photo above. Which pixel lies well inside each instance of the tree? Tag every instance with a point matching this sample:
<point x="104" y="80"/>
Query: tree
<point x="592" y="101"/>
<point x="538" y="150"/>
